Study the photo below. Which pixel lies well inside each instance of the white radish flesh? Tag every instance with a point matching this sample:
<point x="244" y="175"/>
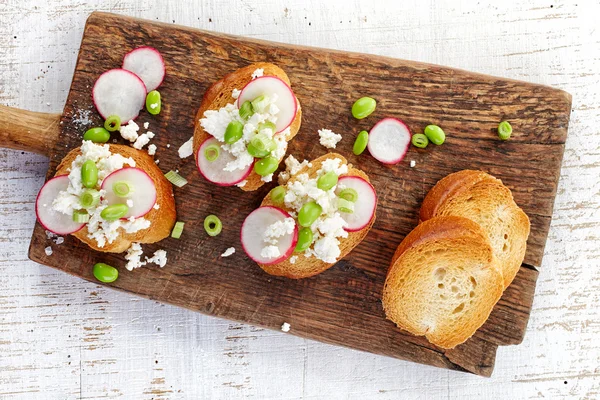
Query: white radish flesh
<point x="143" y="191"/>
<point x="268" y="86"/>
<point x="214" y="171"/>
<point x="253" y="230"/>
<point x="364" y="208"/>
<point x="389" y="140"/>
<point x="52" y="220"/>
<point x="119" y="92"/>
<point x="147" y="63"/>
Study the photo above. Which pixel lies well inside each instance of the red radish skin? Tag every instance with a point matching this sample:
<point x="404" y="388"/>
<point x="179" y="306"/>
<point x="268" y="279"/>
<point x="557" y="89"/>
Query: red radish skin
<point x="364" y="208"/>
<point x="119" y="92"/>
<point x="251" y="234"/>
<point x="147" y="63"/>
<point x="389" y="140"/>
<point x="286" y="101"/>
<point x="53" y="221"/>
<point x="213" y="171"/>
<point x="143" y="196"/>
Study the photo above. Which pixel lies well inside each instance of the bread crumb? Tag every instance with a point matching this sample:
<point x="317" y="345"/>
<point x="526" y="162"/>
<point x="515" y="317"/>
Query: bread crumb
<point x="285" y="327"/>
<point x="48" y="251"/>
<point x="413" y="163"/>
<point x="228" y="252"/>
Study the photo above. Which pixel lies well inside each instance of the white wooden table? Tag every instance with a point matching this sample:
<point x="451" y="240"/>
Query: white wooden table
<point x="63" y="338"/>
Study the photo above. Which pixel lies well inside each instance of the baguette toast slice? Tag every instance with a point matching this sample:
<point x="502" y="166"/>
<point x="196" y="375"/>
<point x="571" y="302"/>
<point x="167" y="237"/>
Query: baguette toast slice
<point x="443" y="281"/>
<point x="161" y="220"/>
<point x="486" y="201"/>
<point x="220" y="94"/>
<point x="306" y="267"/>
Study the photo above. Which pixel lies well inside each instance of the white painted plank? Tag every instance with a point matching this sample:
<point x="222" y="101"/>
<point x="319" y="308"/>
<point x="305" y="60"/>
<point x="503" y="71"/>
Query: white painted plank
<point x="62" y="338"/>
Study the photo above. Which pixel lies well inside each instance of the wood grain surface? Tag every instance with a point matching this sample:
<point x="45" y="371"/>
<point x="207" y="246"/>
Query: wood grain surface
<point x="341" y="306"/>
<point x="64" y="338"/>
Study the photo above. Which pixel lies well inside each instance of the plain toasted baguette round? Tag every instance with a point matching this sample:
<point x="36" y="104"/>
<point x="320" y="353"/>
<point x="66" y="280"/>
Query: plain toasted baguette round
<point x="485" y="200"/>
<point x="219" y="95"/>
<point x="306" y="267"/>
<point x="443" y="281"/>
<point x="161" y="220"/>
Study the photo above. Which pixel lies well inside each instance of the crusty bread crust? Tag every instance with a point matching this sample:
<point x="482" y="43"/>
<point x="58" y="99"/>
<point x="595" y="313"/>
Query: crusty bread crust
<point x="161" y="220"/>
<point x="307" y="267"/>
<point x="219" y="95"/>
<point x="485" y="200"/>
<point x="443" y="281"/>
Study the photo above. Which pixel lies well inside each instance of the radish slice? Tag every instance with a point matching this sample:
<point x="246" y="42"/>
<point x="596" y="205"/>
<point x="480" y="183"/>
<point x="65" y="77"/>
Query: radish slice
<point x="143" y="194"/>
<point x="389" y="140"/>
<point x="52" y="220"/>
<point x="119" y="92"/>
<point x="147" y="63"/>
<point x="268" y="86"/>
<point x="253" y="230"/>
<point x="214" y="171"/>
<point x="364" y="208"/>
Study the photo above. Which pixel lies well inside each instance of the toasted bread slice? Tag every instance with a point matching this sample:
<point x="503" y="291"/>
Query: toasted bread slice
<point x="443" y="281"/>
<point x="486" y="201"/>
<point x="219" y="95"/>
<point x="306" y="267"/>
<point x="161" y="220"/>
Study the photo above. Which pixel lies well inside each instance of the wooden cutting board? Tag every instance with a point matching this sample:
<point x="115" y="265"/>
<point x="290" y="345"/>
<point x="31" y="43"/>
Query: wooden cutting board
<point x="341" y="306"/>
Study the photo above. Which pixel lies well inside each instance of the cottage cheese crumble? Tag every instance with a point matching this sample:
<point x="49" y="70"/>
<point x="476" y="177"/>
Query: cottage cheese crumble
<point x="187" y="148"/>
<point x="258" y="73"/>
<point x="328" y="138"/>
<point x="285" y="327"/>
<point x="129" y="131"/>
<point x="228" y="252"/>
<point x="134" y="257"/>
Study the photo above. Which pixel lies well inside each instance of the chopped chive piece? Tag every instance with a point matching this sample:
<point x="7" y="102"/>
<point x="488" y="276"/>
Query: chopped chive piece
<point x="112" y="123"/>
<point x="176" y="179"/>
<point x="89" y="198"/>
<point x="267" y="125"/>
<point x="419" y="140"/>
<point x="504" y="130"/>
<point x="349" y="194"/>
<point x="177" y="230"/>
<point x="122" y="189"/>
<point x="81" y="216"/>
<point x="246" y="110"/>
<point x="212" y="152"/>
<point x="212" y="225"/>
<point x="345" y="206"/>
<point x="263" y="143"/>
<point x="260" y="103"/>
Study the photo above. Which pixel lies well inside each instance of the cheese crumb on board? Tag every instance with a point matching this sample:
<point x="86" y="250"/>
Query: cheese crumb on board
<point x="413" y="163"/>
<point x="146" y="125"/>
<point x="48" y="251"/>
<point x="129" y="131"/>
<point x="159" y="258"/>
<point x="228" y="252"/>
<point x="285" y="327"/>
<point x="328" y="138"/>
<point x="152" y="149"/>
<point x="186" y="149"/>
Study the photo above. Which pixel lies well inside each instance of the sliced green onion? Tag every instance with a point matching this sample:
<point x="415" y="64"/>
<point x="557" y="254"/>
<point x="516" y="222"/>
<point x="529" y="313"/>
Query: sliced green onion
<point x="419" y="140"/>
<point x="81" y="216"/>
<point x="89" y="198"/>
<point x="278" y="194"/>
<point x="504" y="130"/>
<point x="114" y="212"/>
<point x="327" y="181"/>
<point x="254" y="152"/>
<point x="177" y="230"/>
<point x="267" y="125"/>
<point x="112" y="123"/>
<point x="246" y="110"/>
<point x="345" y="206"/>
<point x="263" y="143"/>
<point x="349" y="194"/>
<point x="260" y="103"/>
<point x="212" y="152"/>
<point x="212" y="225"/>
<point x="122" y="189"/>
<point x="176" y="179"/>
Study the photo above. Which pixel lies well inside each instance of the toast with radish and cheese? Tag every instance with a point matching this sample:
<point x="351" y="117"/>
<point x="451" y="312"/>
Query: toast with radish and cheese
<point x="485" y="200"/>
<point x="243" y="125"/>
<point x="322" y="210"/>
<point x="127" y="181"/>
<point x="443" y="282"/>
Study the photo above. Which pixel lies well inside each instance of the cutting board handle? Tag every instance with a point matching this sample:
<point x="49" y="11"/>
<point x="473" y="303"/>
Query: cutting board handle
<point x="28" y="130"/>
